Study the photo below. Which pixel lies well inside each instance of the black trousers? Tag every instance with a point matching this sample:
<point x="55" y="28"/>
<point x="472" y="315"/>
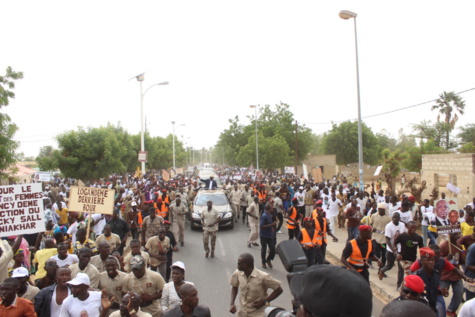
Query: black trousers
<point x="267" y="242"/>
<point x="281" y="221"/>
<point x="320" y="254"/>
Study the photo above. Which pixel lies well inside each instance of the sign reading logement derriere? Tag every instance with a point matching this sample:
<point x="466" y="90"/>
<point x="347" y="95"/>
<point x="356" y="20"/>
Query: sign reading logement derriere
<point x="91" y="200"/>
<point x="21" y="209"/>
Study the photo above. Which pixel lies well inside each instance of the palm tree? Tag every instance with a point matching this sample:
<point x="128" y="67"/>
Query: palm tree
<point x="449" y="105"/>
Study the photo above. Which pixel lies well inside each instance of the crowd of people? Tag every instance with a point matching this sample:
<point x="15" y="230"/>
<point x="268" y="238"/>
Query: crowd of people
<point x="129" y="255"/>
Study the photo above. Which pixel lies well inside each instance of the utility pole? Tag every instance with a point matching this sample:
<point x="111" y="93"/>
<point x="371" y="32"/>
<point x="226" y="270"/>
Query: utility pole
<point x="296" y="147"/>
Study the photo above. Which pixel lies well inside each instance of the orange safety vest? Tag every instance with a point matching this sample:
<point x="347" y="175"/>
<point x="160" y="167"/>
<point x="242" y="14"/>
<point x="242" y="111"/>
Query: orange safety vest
<point x="306" y="238"/>
<point x="166" y="200"/>
<point x="262" y="196"/>
<point x="314" y="214"/>
<point x="163" y="212"/>
<point x="323" y="230"/>
<point x="356" y="258"/>
<point x="292" y="221"/>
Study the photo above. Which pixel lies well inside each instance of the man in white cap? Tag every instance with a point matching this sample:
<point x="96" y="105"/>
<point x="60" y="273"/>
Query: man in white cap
<point x="26" y="290"/>
<point x="81" y="302"/>
<point x="300" y="195"/>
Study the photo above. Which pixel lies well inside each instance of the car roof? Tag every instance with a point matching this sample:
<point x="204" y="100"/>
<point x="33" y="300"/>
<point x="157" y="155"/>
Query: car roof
<point x="217" y="191"/>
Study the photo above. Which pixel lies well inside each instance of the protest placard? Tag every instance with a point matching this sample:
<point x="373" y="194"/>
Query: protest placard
<point x="289" y="170"/>
<point x="21" y="209"/>
<point x="378" y="170"/>
<point x="305" y="172"/>
<point x="449" y="229"/>
<point x="165" y="175"/>
<point x="91" y="200"/>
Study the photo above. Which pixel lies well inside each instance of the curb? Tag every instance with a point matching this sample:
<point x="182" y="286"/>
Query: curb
<point x="377" y="289"/>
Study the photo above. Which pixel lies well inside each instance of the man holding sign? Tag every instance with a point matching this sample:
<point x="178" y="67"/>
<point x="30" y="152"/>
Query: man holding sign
<point x="6" y="255"/>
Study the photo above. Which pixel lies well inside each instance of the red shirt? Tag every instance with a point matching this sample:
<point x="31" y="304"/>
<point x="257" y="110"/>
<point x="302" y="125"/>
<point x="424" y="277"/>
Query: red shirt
<point x="447" y="265"/>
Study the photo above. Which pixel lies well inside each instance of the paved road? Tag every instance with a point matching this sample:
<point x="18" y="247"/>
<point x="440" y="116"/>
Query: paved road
<point x="211" y="276"/>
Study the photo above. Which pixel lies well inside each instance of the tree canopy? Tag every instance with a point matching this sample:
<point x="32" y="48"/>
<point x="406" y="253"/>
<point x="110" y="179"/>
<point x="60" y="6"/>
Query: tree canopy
<point x="92" y="153"/>
<point x="278" y="133"/>
<point x="8" y="146"/>
<point x="342" y="140"/>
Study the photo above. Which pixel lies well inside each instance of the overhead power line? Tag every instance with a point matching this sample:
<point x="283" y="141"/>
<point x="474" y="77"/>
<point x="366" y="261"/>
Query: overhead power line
<point x="391" y="111"/>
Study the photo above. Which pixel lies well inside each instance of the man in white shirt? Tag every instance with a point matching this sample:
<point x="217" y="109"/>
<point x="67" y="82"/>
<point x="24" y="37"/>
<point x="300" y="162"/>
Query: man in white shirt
<point x="235" y="197"/>
<point x="81" y="302"/>
<point x="392" y="230"/>
<point x="425" y="208"/>
<point x="301" y="201"/>
<point x="63" y="258"/>
<point x="361" y="200"/>
<point x="332" y="210"/>
<point x="99" y="223"/>
<point x="394" y="205"/>
<point x="405" y="213"/>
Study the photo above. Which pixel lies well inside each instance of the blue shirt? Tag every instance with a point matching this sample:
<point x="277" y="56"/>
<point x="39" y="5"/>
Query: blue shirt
<point x="268" y="232"/>
<point x="470" y="260"/>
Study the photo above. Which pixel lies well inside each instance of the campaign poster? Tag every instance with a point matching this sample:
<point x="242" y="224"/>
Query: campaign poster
<point x="21" y="209"/>
<point x="447" y="215"/>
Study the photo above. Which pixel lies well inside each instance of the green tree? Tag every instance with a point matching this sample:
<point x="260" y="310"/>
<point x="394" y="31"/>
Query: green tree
<point x="46" y="159"/>
<point x="426" y="130"/>
<point x="8" y="146"/>
<point x="316" y="144"/>
<point x="467" y="148"/>
<point x="385" y="141"/>
<point x="449" y="105"/>
<point x="233" y="139"/>
<point x="273" y="152"/>
<point x="91" y="154"/>
<point x="413" y="162"/>
<point x="467" y="134"/>
<point x="279" y="120"/>
<point x="392" y="163"/>
<point x="342" y="140"/>
<point x="271" y="121"/>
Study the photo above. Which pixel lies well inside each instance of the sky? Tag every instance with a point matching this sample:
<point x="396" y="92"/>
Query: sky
<point x="80" y="60"/>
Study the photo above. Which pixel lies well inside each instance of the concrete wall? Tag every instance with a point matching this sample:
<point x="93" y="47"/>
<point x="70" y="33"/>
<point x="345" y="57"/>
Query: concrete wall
<point x="328" y="162"/>
<point x="351" y="171"/>
<point x="458" y="169"/>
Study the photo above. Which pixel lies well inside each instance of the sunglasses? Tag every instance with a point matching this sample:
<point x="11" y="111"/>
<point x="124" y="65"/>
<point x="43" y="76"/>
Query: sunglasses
<point x="408" y="291"/>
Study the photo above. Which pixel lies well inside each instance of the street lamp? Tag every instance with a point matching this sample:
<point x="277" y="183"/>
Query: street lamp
<point x="141" y="78"/>
<point x="345" y="15"/>
<point x="257" y="140"/>
<point x="173" y="122"/>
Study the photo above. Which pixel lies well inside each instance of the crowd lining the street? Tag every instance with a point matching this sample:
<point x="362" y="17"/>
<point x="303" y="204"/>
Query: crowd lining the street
<point x="129" y="254"/>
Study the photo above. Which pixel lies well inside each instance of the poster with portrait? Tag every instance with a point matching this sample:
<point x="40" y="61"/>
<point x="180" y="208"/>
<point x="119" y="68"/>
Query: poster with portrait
<point x="447" y="215"/>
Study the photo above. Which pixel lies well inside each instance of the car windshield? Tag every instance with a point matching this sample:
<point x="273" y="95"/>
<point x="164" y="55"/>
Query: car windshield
<point x="202" y="200"/>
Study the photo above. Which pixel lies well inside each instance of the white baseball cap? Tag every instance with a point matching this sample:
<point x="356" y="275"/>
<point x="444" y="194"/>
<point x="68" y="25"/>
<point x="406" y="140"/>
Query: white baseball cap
<point x="20" y="272"/>
<point x="179" y="264"/>
<point x="80" y="278"/>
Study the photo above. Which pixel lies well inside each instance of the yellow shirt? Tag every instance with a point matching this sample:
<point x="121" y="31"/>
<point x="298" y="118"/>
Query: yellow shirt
<point x="466" y="229"/>
<point x="63" y="215"/>
<point x="41" y="257"/>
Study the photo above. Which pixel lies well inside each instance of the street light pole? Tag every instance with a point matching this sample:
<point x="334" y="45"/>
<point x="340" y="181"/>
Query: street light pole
<point x="141" y="78"/>
<point x="345" y="14"/>
<point x="173" y="123"/>
<point x="257" y="139"/>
